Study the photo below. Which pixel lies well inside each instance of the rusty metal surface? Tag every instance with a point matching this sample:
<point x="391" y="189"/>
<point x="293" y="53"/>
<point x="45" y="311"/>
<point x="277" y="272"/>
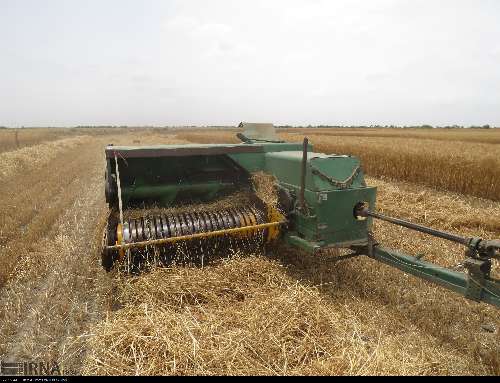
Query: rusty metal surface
<point x="179" y="151"/>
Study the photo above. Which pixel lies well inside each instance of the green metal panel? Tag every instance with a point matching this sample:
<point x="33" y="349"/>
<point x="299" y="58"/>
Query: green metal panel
<point x="329" y="219"/>
<point x="168" y="179"/>
<point x="339" y="168"/>
<point x="186" y="148"/>
<point x="286" y="165"/>
<point x="253" y="162"/>
<point x="250" y="162"/>
<point x="335" y="218"/>
<point x="167" y="194"/>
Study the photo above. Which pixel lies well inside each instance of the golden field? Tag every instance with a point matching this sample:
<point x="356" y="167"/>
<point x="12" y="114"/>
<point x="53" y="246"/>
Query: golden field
<point x="248" y="314"/>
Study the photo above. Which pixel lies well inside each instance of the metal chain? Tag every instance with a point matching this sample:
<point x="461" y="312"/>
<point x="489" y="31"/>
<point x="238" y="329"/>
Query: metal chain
<point x="339" y="184"/>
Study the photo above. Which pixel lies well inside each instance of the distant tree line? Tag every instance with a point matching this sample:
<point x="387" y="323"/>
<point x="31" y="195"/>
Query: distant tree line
<point x="425" y="126"/>
<point x="101" y="126"/>
<point x="132" y="126"/>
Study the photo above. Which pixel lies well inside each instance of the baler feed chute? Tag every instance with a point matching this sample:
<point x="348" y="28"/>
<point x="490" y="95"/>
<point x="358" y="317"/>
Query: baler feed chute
<point x="182" y="204"/>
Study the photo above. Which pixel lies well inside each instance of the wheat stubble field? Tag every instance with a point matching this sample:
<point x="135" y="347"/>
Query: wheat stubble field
<point x="249" y="314"/>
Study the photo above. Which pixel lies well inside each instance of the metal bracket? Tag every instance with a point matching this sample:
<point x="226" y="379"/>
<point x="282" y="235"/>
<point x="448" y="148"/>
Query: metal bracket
<point x="479" y="271"/>
<point x="371" y="244"/>
<point x="367" y="248"/>
<point x="472" y="248"/>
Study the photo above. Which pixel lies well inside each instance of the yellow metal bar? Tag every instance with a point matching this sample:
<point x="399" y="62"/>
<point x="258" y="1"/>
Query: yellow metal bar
<point x="195" y="236"/>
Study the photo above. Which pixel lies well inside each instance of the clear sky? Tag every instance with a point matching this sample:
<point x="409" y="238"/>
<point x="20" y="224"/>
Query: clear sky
<point x="145" y="62"/>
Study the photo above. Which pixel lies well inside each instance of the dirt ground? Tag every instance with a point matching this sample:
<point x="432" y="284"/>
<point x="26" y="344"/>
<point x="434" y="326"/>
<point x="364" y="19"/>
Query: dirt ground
<point x="56" y="298"/>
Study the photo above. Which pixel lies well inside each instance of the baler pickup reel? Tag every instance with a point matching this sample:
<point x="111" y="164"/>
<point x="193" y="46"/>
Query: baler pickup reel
<point x="182" y="204"/>
<point x="189" y="203"/>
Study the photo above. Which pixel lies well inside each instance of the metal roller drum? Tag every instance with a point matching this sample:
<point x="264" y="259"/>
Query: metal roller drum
<point x="166" y="225"/>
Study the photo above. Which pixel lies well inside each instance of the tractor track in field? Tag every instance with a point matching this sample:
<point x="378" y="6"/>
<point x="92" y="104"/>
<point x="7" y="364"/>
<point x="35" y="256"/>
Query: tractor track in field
<point x="50" y="232"/>
<point x="50" y="297"/>
<point x="25" y="342"/>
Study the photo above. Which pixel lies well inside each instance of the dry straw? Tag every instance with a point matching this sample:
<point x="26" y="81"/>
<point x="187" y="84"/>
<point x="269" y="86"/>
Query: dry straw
<point x="292" y="313"/>
<point x="18" y="161"/>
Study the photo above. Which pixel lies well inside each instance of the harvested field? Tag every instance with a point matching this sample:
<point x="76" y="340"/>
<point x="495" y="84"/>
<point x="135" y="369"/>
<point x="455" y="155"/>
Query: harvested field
<point x="12" y="139"/>
<point x="296" y="314"/>
<point x="21" y="160"/>
<point x="284" y="314"/>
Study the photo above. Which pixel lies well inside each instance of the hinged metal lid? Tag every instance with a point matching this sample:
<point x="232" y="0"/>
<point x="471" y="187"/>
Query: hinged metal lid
<point x="259" y="131"/>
